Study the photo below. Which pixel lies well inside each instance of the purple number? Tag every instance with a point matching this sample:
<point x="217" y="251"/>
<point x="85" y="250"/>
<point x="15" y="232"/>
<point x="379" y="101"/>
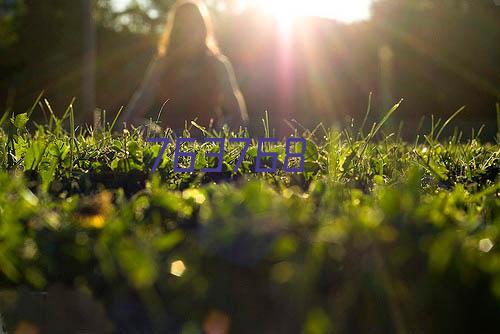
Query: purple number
<point x="178" y="153"/>
<point x="165" y="142"/>
<point x="261" y="154"/>
<point x="290" y="154"/>
<point x="247" y="142"/>
<point x="219" y="155"/>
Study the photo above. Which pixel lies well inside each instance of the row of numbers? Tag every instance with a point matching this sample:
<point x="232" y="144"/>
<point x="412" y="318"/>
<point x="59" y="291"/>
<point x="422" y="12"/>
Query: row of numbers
<point x="261" y="154"/>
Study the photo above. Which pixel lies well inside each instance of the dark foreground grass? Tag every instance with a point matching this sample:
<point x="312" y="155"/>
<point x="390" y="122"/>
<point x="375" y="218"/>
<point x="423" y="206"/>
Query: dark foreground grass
<point x="376" y="236"/>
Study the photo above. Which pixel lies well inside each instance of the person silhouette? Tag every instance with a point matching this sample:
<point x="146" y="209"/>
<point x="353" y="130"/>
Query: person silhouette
<point x="189" y="78"/>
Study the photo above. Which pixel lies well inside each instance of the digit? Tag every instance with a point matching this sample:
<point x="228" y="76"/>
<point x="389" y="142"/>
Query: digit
<point x="165" y="142"/>
<point x="219" y="155"/>
<point x="179" y="153"/>
<point x="261" y="154"/>
<point x="247" y="142"/>
<point x="290" y="154"/>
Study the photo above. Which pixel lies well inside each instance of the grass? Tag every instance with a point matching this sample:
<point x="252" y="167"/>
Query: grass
<point x="377" y="235"/>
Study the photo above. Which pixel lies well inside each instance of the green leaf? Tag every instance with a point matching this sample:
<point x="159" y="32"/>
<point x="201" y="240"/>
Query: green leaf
<point x="47" y="172"/>
<point x="33" y="156"/>
<point x="134" y="149"/>
<point x="114" y="164"/>
<point x="312" y="152"/>
<point x="252" y="152"/>
<point x="4" y="117"/>
<point x="311" y="166"/>
<point x="20" y="120"/>
<point x="201" y="161"/>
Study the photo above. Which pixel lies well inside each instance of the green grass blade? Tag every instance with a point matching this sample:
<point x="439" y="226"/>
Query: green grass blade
<point x="66" y="112"/>
<point x="498" y="122"/>
<point x="5" y="116"/>
<point x="33" y="106"/>
<point x="368" y="110"/>
<point x="455" y="114"/>
<point x="116" y="119"/>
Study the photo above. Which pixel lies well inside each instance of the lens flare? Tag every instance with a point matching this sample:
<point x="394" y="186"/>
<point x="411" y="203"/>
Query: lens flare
<point x="286" y="10"/>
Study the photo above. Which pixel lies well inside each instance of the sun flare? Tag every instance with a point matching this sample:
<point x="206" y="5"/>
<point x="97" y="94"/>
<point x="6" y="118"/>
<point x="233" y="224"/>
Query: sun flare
<point x="286" y="10"/>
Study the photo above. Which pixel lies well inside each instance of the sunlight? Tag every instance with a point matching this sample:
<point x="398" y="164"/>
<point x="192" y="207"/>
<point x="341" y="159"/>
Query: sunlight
<point x="286" y="10"/>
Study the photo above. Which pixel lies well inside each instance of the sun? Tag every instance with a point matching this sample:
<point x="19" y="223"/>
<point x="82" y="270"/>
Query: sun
<point x="342" y="10"/>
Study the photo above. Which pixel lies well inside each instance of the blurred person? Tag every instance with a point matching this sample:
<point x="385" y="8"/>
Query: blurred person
<point x="189" y="78"/>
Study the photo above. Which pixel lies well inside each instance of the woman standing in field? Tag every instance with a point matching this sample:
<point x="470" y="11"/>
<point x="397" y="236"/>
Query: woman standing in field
<point x="191" y="74"/>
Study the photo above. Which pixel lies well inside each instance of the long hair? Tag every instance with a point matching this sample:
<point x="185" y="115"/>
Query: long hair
<point x="165" y="42"/>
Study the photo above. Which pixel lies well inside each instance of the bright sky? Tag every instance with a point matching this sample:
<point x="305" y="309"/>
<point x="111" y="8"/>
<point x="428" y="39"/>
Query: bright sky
<point x="342" y="10"/>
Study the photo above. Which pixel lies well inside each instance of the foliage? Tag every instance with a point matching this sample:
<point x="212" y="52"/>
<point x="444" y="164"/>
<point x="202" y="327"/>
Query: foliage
<point x="377" y="235"/>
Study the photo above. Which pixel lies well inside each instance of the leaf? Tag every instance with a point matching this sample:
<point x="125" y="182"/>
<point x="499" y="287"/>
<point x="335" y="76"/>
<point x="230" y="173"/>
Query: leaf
<point x="125" y="165"/>
<point x="58" y="149"/>
<point x="311" y="166"/>
<point x="347" y="162"/>
<point x="47" y="172"/>
<point x="4" y="117"/>
<point x="20" y="120"/>
<point x="252" y="152"/>
<point x="114" y="164"/>
<point x="312" y="152"/>
<point x="33" y="156"/>
<point x="439" y="170"/>
<point x="201" y="161"/>
<point x="134" y="149"/>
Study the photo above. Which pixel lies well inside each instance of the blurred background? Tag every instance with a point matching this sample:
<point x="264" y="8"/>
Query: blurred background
<point x="312" y="61"/>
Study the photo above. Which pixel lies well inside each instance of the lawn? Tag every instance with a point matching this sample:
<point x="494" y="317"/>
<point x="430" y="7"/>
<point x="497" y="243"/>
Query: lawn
<point x="377" y="235"/>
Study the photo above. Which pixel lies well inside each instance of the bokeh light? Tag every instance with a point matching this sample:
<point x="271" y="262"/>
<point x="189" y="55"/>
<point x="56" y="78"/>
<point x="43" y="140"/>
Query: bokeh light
<point x="177" y="268"/>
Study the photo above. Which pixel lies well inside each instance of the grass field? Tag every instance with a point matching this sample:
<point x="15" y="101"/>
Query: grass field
<point x="377" y="235"/>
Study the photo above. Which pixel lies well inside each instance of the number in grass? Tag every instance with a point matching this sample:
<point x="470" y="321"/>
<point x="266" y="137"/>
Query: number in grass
<point x="165" y="142"/>
<point x="219" y="155"/>
<point x="178" y="153"/>
<point x="247" y="142"/>
<point x="261" y="154"/>
<point x="290" y="154"/>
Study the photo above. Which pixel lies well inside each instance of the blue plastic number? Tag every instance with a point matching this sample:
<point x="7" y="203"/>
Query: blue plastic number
<point x="165" y="142"/>
<point x="219" y="155"/>
<point x="290" y="154"/>
<point x="261" y="154"/>
<point x="247" y="142"/>
<point x="179" y="153"/>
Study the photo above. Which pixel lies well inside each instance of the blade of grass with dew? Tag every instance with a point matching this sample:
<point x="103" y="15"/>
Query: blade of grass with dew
<point x="72" y="139"/>
<point x="201" y="128"/>
<point x="161" y="110"/>
<point x="66" y="112"/>
<point x="265" y="122"/>
<point x="455" y="114"/>
<point x="368" y="110"/>
<point x="116" y="119"/>
<point x="33" y="106"/>
<point x="379" y="126"/>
